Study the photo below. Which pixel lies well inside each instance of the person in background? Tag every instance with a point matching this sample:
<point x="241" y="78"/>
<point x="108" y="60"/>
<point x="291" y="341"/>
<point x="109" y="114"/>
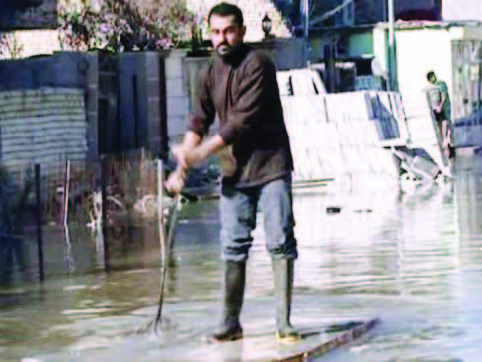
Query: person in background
<point x="240" y="85"/>
<point x="440" y="104"/>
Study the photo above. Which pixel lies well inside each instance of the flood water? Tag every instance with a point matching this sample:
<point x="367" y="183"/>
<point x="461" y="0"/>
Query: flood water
<point x="414" y="259"/>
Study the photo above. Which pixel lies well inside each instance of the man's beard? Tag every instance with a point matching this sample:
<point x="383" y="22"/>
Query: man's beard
<point x="224" y="49"/>
<point x="229" y="53"/>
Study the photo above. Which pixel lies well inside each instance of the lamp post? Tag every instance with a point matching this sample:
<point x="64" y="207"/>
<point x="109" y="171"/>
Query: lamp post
<point x="266" y="24"/>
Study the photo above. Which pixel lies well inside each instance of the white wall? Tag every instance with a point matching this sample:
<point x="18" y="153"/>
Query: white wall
<point x="380" y="49"/>
<point x="462" y="10"/>
<point x="417" y="53"/>
<point x="32" y="42"/>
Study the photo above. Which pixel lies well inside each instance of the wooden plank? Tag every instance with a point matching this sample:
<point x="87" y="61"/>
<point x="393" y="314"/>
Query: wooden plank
<point x="261" y="345"/>
<point x="330" y="344"/>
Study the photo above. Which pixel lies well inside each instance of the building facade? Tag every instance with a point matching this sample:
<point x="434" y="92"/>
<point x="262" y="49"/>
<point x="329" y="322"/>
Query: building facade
<point x="362" y="12"/>
<point x="455" y="10"/>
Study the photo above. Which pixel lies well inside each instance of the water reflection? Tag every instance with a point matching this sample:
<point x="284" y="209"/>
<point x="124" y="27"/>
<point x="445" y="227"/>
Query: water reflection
<point x="413" y="257"/>
<point x="469" y="207"/>
<point x="388" y="251"/>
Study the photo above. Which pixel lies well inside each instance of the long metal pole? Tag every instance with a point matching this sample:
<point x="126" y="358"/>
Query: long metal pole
<point x="38" y="216"/>
<point x="392" y="62"/>
<point x="66" y="192"/>
<point x="305" y="23"/>
<point x="160" y="211"/>
<point x="105" y="229"/>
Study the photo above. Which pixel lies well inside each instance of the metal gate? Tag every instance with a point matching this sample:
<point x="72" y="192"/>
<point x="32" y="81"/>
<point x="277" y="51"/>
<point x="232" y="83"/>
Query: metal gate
<point x="467" y="92"/>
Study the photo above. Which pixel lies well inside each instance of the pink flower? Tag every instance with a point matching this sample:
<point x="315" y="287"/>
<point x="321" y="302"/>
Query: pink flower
<point x="164" y="43"/>
<point x="104" y="28"/>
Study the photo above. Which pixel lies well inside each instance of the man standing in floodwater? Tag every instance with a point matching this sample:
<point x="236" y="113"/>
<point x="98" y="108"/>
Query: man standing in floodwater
<point x="240" y="85"/>
<point x="440" y="105"/>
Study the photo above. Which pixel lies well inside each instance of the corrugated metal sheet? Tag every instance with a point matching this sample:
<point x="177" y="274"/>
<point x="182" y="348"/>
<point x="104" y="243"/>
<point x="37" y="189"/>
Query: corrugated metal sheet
<point x="45" y="126"/>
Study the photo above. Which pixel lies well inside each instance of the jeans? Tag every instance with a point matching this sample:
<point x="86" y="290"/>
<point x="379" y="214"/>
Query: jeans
<point x="239" y="207"/>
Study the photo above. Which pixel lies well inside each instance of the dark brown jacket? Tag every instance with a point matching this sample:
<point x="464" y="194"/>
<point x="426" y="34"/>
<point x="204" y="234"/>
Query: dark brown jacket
<point x="246" y="97"/>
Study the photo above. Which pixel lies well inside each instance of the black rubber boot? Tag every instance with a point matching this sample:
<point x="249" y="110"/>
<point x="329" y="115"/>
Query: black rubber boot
<point x="283" y="288"/>
<point x="235" y="280"/>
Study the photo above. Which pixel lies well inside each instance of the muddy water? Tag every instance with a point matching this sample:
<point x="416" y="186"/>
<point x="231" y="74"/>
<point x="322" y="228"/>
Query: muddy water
<point x="413" y="259"/>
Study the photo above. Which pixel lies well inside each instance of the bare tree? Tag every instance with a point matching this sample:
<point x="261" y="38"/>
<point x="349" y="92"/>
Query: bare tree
<point x="10" y="47"/>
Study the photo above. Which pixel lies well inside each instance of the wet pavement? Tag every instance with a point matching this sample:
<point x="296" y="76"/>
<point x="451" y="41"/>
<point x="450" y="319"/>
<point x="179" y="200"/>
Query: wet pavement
<point x="413" y="259"/>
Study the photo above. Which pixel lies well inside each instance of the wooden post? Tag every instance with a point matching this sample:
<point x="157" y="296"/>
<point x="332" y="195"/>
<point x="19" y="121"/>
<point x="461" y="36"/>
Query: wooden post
<point x="38" y="214"/>
<point x="164" y="131"/>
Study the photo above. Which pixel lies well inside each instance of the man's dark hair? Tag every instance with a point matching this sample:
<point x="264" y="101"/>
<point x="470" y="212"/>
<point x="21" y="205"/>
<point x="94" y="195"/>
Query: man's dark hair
<point x="226" y="9"/>
<point x="430" y="75"/>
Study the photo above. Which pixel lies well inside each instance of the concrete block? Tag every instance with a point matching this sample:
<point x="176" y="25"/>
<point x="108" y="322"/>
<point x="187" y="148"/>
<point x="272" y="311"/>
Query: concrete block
<point x="92" y="118"/>
<point x="177" y="106"/>
<point x="153" y="88"/>
<point x="153" y="108"/>
<point x="174" y="68"/>
<point x="154" y="143"/>
<point x="176" y="126"/>
<point x="154" y="125"/>
<point x="175" y="87"/>
<point x="93" y="68"/>
<point x="92" y="100"/>
<point x="152" y="62"/>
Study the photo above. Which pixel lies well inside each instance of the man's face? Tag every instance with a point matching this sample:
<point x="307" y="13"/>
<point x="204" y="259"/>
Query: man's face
<point x="433" y="79"/>
<point x="225" y="33"/>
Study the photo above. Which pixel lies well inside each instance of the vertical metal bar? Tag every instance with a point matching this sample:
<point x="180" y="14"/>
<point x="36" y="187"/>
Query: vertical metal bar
<point x="304" y="4"/>
<point x="103" y="183"/>
<point x="136" y="112"/>
<point x="456" y="108"/>
<point x="66" y="191"/>
<point x="162" y="236"/>
<point x="384" y="10"/>
<point x="38" y="216"/>
<point x="119" y="126"/>
<point x="160" y="210"/>
<point x="307" y="30"/>
<point x="391" y="46"/>
<point x="163" y="134"/>
<point x="479" y="90"/>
